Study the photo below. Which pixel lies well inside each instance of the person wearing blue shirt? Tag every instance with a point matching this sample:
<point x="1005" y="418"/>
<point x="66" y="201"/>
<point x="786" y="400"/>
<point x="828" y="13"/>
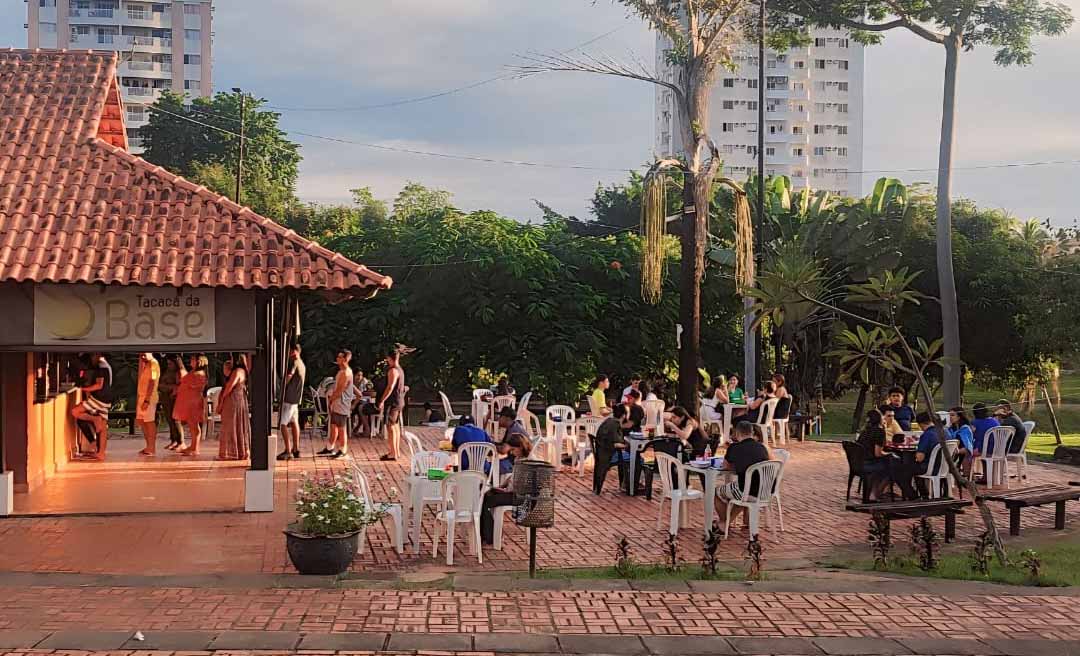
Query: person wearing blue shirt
<point x="902" y="413"/>
<point x="465" y="433"/>
<point x="982" y="423"/>
<point x="960" y="429"/>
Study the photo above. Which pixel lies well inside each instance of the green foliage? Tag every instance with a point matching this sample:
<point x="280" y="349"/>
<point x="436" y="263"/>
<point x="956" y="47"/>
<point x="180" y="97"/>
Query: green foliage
<point x="625" y="565"/>
<point x="328" y="505"/>
<point x="417" y="201"/>
<point x="258" y="193"/>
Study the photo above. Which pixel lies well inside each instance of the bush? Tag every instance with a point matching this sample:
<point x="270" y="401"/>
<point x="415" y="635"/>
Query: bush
<point x="328" y="505"/>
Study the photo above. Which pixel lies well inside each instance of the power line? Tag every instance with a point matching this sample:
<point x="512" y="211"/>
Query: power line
<point x="433" y="96"/>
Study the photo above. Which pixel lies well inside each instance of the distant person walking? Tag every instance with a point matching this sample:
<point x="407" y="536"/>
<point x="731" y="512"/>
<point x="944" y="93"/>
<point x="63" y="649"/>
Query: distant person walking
<point x="235" y="440"/>
<point x="289" y="416"/>
<point x="147" y="401"/>
<point x="191" y="400"/>
<point x="167" y="388"/>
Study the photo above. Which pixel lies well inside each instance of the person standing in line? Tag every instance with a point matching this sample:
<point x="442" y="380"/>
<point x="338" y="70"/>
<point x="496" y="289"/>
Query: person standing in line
<point x="340" y="403"/>
<point x="392" y="403"/>
<point x="234" y="443"/>
<point x="147" y="401"/>
<point x="191" y="400"/>
<point x="289" y="416"/>
<point x="167" y="387"/>
<point x="93" y="411"/>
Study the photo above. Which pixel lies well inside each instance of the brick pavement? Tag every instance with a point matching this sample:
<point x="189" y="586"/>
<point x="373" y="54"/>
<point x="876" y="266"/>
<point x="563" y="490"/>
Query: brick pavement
<point x="586" y="530"/>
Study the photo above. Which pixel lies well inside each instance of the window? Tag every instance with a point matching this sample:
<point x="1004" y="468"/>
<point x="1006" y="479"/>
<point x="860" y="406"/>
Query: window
<point x="819" y="42"/>
<point x="842" y="64"/>
<point x="192" y="9"/>
<point x="729" y="104"/>
<point x="752" y="84"/>
<point x="46" y="3"/>
<point x="842" y="152"/>
<point x="728" y="127"/>
<point x="192" y="85"/>
<point x="193" y="35"/>
<point x="797" y="151"/>
<point x="843" y="86"/>
<point x="194" y="60"/>
<point x="729" y="83"/>
<point x="799" y="64"/>
<point x="47" y="28"/>
<point x="843" y="43"/>
<point x="797" y="129"/>
<point x="819" y="151"/>
<point x="819" y="107"/>
<point x="842" y="108"/>
<point x="158" y="8"/>
<point x="771" y="63"/>
<point x="770" y="151"/>
<point x="819" y="64"/>
<point x="841" y="129"/>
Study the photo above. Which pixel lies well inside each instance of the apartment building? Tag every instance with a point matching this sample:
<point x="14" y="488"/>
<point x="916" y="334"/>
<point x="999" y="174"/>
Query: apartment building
<point x="163" y="45"/>
<point x="813" y="113"/>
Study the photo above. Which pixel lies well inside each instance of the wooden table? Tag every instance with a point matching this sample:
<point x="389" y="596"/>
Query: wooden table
<point x="1038" y="495"/>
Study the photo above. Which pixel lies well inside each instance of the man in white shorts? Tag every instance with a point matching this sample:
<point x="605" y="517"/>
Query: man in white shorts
<point x="744" y="452"/>
<point x="289" y="417"/>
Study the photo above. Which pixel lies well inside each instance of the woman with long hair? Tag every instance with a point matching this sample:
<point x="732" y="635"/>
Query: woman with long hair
<point x="688" y="431"/>
<point x="190" y="408"/>
<point x="235" y="439"/>
<point x="876" y="460"/>
<point x="959" y="428"/>
<point x="515" y="446"/>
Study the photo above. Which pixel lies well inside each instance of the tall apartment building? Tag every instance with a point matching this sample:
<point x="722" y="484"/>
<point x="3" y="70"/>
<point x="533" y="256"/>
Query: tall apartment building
<point x="813" y="113"/>
<point x="163" y="45"/>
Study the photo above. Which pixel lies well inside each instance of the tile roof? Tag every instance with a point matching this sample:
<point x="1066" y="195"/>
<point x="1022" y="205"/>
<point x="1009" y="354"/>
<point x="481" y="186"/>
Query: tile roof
<point x="75" y="206"/>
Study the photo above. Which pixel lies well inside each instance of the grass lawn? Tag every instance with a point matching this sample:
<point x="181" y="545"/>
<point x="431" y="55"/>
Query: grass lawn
<point x="1060" y="567"/>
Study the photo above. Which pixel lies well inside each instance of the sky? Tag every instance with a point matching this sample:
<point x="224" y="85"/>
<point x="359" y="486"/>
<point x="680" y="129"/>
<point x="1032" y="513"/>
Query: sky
<point x="350" y="53"/>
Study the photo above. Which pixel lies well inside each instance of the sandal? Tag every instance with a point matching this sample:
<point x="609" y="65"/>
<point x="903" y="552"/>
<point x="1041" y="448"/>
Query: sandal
<point x="387" y="458"/>
<point x="144" y="452"/>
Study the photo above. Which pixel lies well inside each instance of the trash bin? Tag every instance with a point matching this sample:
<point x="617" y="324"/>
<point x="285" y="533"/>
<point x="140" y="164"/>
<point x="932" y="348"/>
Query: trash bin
<point x="534" y="500"/>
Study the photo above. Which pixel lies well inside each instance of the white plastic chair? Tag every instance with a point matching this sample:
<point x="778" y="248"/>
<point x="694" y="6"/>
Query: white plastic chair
<point x="765" y="420"/>
<point x="995" y="466"/>
<point x="414" y="444"/>
<point x="500" y="402"/>
<point x="782" y="456"/>
<point x="766" y="473"/>
<point x="463" y="499"/>
<point x="448" y="409"/>
<point x="321" y="397"/>
<point x="939" y="474"/>
<point x="1020" y="457"/>
<point x="677" y="496"/>
<point x="419" y="464"/>
<point x="480" y="392"/>
<point x="523" y="405"/>
<point x="533" y="428"/>
<point x="395" y="511"/>
<point x="654" y="416"/>
<point x="499" y="513"/>
<point x="477" y="454"/>
<point x="213" y="411"/>
<point x="561" y="427"/>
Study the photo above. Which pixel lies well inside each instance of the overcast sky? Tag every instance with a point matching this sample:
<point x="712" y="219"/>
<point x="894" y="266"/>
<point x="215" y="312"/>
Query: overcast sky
<point x="345" y="53"/>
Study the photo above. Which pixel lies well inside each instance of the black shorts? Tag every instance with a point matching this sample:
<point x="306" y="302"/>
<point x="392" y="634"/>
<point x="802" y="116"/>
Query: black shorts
<point x="391" y="413"/>
<point x="341" y="421"/>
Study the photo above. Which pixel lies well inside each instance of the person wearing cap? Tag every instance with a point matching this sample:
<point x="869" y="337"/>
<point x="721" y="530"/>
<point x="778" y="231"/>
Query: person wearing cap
<point x="1006" y="417"/>
<point x="467" y="432"/>
<point x="982" y="423"/>
<point x="508" y="421"/>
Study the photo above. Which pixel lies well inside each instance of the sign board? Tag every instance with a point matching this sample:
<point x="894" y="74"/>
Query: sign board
<point x="122" y="316"/>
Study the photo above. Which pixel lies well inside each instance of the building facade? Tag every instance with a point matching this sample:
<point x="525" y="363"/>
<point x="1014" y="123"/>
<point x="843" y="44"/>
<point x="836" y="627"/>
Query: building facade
<point x="162" y="45"/>
<point x="813" y="113"/>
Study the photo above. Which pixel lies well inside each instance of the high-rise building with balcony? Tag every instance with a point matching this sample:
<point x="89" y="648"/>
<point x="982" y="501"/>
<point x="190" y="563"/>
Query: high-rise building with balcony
<point x="813" y="113"/>
<point x="163" y="45"/>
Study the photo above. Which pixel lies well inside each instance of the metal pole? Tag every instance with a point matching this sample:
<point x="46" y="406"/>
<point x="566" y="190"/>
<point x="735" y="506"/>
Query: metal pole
<point x="532" y="552"/>
<point x="240" y="157"/>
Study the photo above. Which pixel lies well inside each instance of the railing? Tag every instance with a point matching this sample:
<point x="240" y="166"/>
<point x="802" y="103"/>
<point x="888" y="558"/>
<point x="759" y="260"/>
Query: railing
<point x="141" y="65"/>
<point x="137" y="116"/>
<point x="139" y="91"/>
<point x="151" y="41"/>
<point x="105" y="38"/>
<point x="100" y="13"/>
<point x="135" y="142"/>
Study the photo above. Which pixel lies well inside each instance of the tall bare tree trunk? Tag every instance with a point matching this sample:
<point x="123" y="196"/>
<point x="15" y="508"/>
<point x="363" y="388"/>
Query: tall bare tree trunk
<point x="950" y="315"/>
<point x="693" y="268"/>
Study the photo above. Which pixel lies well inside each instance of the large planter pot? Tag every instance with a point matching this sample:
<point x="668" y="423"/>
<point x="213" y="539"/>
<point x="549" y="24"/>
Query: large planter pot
<point x="323" y="555"/>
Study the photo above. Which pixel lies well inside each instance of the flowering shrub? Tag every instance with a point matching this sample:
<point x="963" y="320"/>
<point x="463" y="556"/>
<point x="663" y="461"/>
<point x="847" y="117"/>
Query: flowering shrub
<point x="328" y="505"/>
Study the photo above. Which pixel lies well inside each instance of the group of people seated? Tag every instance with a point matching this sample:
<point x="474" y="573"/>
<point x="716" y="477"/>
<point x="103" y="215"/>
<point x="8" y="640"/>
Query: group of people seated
<point x="892" y="422"/>
<point x="725" y="390"/>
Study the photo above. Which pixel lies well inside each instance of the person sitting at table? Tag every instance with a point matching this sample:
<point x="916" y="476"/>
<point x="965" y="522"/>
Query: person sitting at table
<point x="630" y="412"/>
<point x="610" y="449"/>
<point x="467" y="431"/>
<point x="511" y="425"/>
<point x="877" y="464"/>
<point x="889" y="423"/>
<point x="979" y="426"/>
<point x="599" y="395"/>
<point x="902" y="412"/>
<point x="503" y="387"/>
<point x="780" y="386"/>
<point x="734" y="392"/>
<point x="1006" y="417"/>
<point x="927" y="441"/>
<point x="687" y="430"/>
<point x="960" y="429"/>
<point x="743" y="453"/>
<point x="513" y="447"/>
<point x="635" y="384"/>
<point x="753" y="411"/>
<point x="712" y="404"/>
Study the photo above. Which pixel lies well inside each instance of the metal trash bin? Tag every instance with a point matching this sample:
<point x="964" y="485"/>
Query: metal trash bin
<point x="534" y="500"/>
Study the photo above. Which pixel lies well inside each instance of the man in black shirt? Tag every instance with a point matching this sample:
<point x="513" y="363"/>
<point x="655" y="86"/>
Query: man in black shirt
<point x="744" y="452"/>
<point x="1006" y="417"/>
<point x="92" y="414"/>
<point x="630" y="413"/>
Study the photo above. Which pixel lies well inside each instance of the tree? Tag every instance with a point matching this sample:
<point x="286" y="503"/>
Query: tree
<point x="957" y="25"/>
<point x="261" y="195"/>
<point x="183" y="137"/>
<point x="416" y="200"/>
<point x="701" y="34"/>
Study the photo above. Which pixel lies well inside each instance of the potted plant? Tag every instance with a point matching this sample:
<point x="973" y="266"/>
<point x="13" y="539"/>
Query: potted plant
<point x="331" y="523"/>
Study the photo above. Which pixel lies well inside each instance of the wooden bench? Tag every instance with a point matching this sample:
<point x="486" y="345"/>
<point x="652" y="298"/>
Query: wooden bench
<point x="1029" y="497"/>
<point x="950" y="508"/>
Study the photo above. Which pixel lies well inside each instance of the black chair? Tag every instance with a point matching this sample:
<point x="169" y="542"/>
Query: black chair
<point x="856" y="458"/>
<point x="783" y="408"/>
<point x="602" y="463"/>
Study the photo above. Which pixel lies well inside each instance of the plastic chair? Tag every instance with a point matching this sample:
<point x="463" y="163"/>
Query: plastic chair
<point x="654" y="415"/>
<point x="767" y="474"/>
<point x="780" y="420"/>
<point x="414" y="444"/>
<point x="1020" y="457"/>
<point x="780" y="455"/>
<point x="480" y="392"/>
<point x="937" y="472"/>
<point x="448" y="409"/>
<point x="395" y="511"/>
<point x="675" y="491"/>
<point x="995" y="465"/>
<point x="499" y="514"/>
<point x="765" y="420"/>
<point x="523" y="405"/>
<point x="561" y="428"/>
<point x="463" y="500"/>
<point x="477" y="454"/>
<point x="856" y="458"/>
<point x="419" y="464"/>
<point x="213" y="407"/>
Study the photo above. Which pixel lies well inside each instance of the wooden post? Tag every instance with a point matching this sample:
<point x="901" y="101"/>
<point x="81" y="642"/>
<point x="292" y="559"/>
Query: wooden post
<point x="1053" y="415"/>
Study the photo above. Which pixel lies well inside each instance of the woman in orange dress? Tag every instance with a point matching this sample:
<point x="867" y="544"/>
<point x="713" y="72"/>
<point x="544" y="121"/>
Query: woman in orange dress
<point x="235" y="437"/>
<point x="190" y="408"/>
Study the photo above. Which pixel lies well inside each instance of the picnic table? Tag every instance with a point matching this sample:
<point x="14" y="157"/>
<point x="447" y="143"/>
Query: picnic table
<point x="950" y="508"/>
<point x="1029" y="497"/>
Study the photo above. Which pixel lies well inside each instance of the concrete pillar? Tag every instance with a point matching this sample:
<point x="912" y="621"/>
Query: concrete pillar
<point x="178" y="46"/>
<point x="205" y="48"/>
<point x="33" y="22"/>
<point x="63" y="24"/>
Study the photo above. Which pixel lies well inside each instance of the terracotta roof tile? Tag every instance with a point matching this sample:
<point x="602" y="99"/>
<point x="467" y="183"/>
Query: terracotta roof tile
<point x="75" y="206"/>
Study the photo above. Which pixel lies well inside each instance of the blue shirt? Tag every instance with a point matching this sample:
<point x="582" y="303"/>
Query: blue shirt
<point x="463" y="435"/>
<point x="980" y="427"/>
<point x="927" y="441"/>
<point x="904" y="415"/>
<point x="965" y="436"/>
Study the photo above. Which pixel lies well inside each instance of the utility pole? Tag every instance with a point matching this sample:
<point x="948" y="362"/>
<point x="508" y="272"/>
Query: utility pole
<point x="240" y="157"/>
<point x="749" y="334"/>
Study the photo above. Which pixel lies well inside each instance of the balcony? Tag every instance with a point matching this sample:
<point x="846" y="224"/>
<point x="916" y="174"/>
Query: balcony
<point x="146" y="43"/>
<point x="146" y="69"/>
<point x="142" y="92"/>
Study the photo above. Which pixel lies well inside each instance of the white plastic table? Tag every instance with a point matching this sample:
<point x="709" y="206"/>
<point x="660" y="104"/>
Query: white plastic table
<point x="637" y="445"/>
<point x="417" y="484"/>
<point x="711" y="475"/>
<point x="728" y="407"/>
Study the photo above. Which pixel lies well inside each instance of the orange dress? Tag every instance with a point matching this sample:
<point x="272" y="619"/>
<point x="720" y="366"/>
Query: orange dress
<point x="190" y="405"/>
